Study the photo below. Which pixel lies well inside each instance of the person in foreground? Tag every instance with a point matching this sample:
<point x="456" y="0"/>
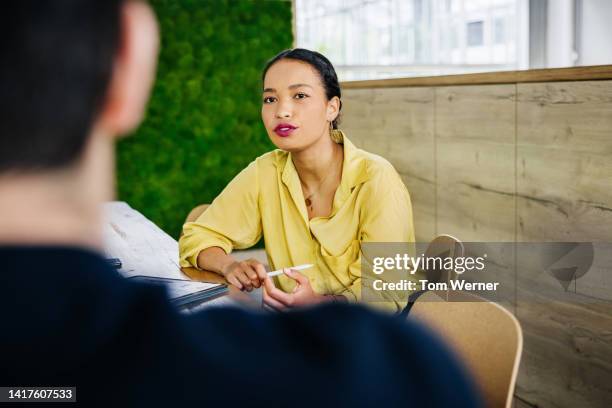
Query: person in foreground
<point x="75" y="74"/>
<point x="316" y="199"/>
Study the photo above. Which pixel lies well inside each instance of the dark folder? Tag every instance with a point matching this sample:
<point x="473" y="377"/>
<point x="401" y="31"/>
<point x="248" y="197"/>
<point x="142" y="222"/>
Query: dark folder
<point x="184" y="292"/>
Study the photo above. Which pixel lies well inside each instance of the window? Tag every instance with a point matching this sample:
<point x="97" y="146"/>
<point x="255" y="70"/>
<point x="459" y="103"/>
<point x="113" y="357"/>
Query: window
<point x="368" y="39"/>
<point x="499" y="36"/>
<point x="372" y="39"/>
<point x="475" y="34"/>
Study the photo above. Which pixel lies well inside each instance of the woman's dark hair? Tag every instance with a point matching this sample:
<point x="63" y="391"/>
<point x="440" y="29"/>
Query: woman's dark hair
<point x="321" y="64"/>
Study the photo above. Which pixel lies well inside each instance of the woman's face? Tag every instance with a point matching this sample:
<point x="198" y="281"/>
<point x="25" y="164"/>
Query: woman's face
<point x="295" y="109"/>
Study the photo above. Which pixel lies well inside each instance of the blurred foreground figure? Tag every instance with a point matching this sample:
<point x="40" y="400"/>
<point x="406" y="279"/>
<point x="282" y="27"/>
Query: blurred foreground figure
<point x="74" y="75"/>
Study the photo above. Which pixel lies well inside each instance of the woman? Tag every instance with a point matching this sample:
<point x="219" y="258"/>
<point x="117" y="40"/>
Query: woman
<point x="315" y="199"/>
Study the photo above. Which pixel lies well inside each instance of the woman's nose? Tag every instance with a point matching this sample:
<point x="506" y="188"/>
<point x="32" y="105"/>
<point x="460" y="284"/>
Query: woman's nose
<point x="283" y="111"/>
<point x="283" y="114"/>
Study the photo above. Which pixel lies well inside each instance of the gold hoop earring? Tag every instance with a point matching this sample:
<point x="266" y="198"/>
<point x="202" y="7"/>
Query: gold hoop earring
<point x="335" y="134"/>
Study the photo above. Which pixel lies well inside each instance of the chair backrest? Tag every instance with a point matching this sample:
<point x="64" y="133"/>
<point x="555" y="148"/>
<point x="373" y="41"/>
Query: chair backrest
<point x="196" y="212"/>
<point x="443" y="246"/>
<point x="484" y="335"/>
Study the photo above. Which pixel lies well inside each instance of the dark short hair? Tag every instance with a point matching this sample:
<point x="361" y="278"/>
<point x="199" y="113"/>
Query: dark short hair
<point x="57" y="59"/>
<point x="321" y="64"/>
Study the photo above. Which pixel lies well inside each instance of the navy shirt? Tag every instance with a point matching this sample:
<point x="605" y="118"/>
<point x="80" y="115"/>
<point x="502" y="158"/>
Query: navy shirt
<point x="70" y="320"/>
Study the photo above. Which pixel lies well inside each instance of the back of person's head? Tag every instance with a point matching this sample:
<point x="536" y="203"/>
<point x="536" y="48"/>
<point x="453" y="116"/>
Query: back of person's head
<point x="71" y="68"/>
<point x="57" y="60"/>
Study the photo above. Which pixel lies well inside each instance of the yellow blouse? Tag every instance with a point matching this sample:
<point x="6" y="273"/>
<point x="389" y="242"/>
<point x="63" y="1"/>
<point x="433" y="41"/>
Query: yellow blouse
<point x="371" y="204"/>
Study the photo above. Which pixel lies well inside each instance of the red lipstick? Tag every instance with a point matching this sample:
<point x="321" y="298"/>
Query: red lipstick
<point x="284" y="129"/>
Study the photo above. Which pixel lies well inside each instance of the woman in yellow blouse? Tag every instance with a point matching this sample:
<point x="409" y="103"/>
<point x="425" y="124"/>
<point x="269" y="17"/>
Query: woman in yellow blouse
<point x="315" y="199"/>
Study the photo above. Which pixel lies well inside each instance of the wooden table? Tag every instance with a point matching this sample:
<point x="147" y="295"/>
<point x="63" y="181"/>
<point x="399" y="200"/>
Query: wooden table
<point x="144" y="249"/>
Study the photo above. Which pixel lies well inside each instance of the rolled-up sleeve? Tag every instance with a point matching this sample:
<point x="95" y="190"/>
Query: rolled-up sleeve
<point x="232" y="221"/>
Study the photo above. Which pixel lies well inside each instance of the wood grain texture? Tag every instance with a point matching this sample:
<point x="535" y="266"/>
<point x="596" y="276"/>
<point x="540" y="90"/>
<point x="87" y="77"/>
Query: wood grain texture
<point x="423" y="198"/>
<point x="564" y="174"/>
<point x="531" y="162"/>
<point x="566" y="359"/>
<point x="519" y="403"/>
<point x="356" y="119"/>
<point x="564" y="159"/>
<point x="475" y="131"/>
<point x="596" y="72"/>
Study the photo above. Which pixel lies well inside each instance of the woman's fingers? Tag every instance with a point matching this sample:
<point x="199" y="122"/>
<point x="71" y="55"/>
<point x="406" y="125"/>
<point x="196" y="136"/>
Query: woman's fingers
<point x="244" y="279"/>
<point x="259" y="269"/>
<point x="268" y="286"/>
<point x="234" y="281"/>
<point x="271" y="302"/>
<point x="295" y="275"/>
<point x="235" y="274"/>
<point x="250" y="272"/>
<point x="277" y="294"/>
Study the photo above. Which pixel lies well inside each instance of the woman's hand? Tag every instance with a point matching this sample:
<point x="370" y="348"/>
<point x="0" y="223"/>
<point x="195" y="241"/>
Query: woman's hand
<point x="302" y="295"/>
<point x="245" y="275"/>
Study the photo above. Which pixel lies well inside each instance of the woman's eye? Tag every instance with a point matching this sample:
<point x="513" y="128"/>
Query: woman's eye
<point x="269" y="99"/>
<point x="300" y="95"/>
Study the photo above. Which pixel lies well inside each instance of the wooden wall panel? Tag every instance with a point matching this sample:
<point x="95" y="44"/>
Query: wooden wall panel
<point x="527" y="162"/>
<point x="564" y="144"/>
<point x="356" y="119"/>
<point x="475" y="131"/>
<point x="564" y="180"/>
<point x="565" y="361"/>
<point x="565" y="169"/>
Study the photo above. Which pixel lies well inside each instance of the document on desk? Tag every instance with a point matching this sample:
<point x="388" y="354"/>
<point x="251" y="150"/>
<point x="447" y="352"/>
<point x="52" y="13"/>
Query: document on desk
<point x="184" y="292"/>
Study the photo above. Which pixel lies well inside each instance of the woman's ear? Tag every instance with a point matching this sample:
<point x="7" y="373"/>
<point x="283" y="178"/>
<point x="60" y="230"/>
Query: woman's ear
<point x="133" y="70"/>
<point x="333" y="108"/>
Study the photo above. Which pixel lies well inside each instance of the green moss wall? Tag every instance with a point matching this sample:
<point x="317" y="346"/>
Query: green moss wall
<point x="203" y="123"/>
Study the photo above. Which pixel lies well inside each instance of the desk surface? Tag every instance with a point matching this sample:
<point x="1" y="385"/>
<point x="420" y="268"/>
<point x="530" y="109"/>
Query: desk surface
<point x="145" y="249"/>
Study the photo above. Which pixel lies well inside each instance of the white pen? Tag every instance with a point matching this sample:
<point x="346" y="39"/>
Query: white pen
<point x="295" y="268"/>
